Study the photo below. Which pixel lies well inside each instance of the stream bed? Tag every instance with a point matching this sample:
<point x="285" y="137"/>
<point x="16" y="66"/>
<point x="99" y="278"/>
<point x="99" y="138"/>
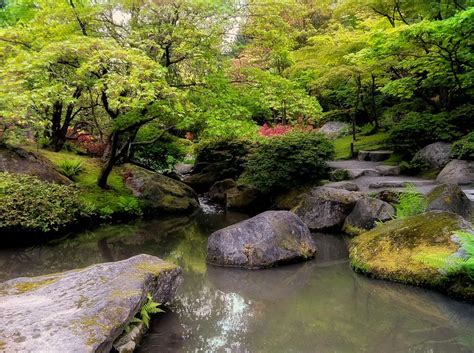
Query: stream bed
<point x="316" y="306"/>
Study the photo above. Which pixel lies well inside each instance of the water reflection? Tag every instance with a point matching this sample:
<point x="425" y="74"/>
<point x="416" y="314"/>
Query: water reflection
<point x="317" y="306"/>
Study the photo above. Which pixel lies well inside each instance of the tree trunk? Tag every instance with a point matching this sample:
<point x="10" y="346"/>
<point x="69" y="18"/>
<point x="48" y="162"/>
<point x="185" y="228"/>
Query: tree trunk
<point x="110" y="161"/>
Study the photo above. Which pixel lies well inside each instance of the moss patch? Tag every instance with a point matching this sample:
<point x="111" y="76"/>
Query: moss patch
<point x="391" y="251"/>
<point x="342" y="145"/>
<point x="24" y="287"/>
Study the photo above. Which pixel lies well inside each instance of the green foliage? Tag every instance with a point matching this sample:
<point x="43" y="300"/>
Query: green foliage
<point x="461" y="262"/>
<point x="223" y="149"/>
<point x="410" y="203"/>
<point x="417" y="130"/>
<point x="413" y="167"/>
<point x="464" y="148"/>
<point x="129" y="205"/>
<point x="284" y="161"/>
<point x="342" y="145"/>
<point x="28" y="203"/>
<point x="144" y="316"/>
<point x="70" y="168"/>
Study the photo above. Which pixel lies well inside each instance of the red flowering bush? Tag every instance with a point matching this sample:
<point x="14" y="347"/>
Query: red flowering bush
<point x="90" y="144"/>
<point x="279" y="129"/>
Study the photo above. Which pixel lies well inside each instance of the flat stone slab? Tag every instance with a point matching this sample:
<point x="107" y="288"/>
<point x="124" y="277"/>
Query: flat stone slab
<point x="399" y="184"/>
<point x="81" y="310"/>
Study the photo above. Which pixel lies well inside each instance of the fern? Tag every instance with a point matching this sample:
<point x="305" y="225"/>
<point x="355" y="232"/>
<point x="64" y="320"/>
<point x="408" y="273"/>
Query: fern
<point x="410" y="203"/>
<point x="144" y="316"/>
<point x="70" y="168"/>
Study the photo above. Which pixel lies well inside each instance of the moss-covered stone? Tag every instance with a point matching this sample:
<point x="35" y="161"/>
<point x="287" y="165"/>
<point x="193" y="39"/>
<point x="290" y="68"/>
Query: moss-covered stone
<point x="392" y="251"/>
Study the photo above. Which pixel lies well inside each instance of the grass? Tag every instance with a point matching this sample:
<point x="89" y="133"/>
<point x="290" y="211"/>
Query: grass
<point x="342" y="145"/>
<point x="87" y="180"/>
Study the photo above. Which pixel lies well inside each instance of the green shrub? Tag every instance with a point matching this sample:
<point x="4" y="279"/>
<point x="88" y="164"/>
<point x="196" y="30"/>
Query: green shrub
<point x="70" y="168"/>
<point x="288" y="160"/>
<point x="417" y="130"/>
<point x="413" y="167"/>
<point x="223" y="149"/>
<point x="464" y="148"/>
<point x="410" y="203"/>
<point x="29" y="204"/>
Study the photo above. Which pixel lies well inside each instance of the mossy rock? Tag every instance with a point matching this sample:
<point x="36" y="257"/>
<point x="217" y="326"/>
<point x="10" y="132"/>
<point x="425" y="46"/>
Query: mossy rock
<point x="160" y="193"/>
<point x="449" y="198"/>
<point x="16" y="160"/>
<point x="394" y="250"/>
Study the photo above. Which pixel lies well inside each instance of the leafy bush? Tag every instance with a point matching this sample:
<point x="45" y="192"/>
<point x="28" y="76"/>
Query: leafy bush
<point x="288" y="160"/>
<point x="279" y="129"/>
<point x="417" y="130"/>
<point x="27" y="203"/>
<point x="162" y="155"/>
<point x="413" y="167"/>
<point x="410" y="203"/>
<point x="464" y="148"/>
<point x="222" y="149"/>
<point x="70" y="168"/>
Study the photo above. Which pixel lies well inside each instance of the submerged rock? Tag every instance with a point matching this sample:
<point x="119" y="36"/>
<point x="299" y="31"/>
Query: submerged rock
<point x="17" y="160"/>
<point x="450" y="198"/>
<point x="397" y="251"/>
<point x="435" y="155"/>
<point x="162" y="194"/>
<point x="268" y="239"/>
<point x="457" y="172"/>
<point x="326" y="208"/>
<point x="366" y="212"/>
<point x="81" y="310"/>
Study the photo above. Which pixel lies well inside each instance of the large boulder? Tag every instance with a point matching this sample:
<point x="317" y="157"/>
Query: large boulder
<point x="217" y="191"/>
<point x="400" y="251"/>
<point x="435" y="155"/>
<point x="457" y="172"/>
<point x="288" y="199"/>
<point x="334" y="129"/>
<point x="17" y="160"/>
<point x="450" y="198"/>
<point x="326" y="208"/>
<point x="268" y="239"/>
<point x="81" y="310"/>
<point x="366" y="213"/>
<point x="162" y="194"/>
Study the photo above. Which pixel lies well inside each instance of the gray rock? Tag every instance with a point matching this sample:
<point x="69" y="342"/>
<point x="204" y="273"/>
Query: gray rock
<point x="163" y="194"/>
<point x="183" y="168"/>
<point x="268" y="239"/>
<point x="334" y="129"/>
<point x="81" y="310"/>
<point x="326" y="208"/>
<point x="366" y="212"/>
<point x="374" y="156"/>
<point x="18" y="160"/>
<point x="450" y="198"/>
<point x="388" y="169"/>
<point x="217" y="191"/>
<point x="399" y="183"/>
<point x="457" y="172"/>
<point x="242" y="197"/>
<point x="435" y="155"/>
<point x="345" y="185"/>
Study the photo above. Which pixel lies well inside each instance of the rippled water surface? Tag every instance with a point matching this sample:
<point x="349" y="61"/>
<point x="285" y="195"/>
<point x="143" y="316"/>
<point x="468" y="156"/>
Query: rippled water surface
<point x="317" y="306"/>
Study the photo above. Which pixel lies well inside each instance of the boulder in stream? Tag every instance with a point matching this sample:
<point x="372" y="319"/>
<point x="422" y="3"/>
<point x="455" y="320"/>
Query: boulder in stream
<point x="326" y="208"/>
<point x="366" y="212"/>
<point x="414" y="250"/>
<point x="450" y="198"/>
<point x="81" y="310"/>
<point x="268" y="239"/>
<point x="457" y="172"/>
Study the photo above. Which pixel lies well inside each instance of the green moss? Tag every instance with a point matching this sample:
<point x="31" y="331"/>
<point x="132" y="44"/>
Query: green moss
<point x="391" y="251"/>
<point x="352" y="230"/>
<point x="342" y="145"/>
<point x="21" y="288"/>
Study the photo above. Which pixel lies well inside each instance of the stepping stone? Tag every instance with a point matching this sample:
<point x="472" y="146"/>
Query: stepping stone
<point x="374" y="156"/>
<point x="388" y="169"/>
<point x="356" y="173"/>
<point x="399" y="184"/>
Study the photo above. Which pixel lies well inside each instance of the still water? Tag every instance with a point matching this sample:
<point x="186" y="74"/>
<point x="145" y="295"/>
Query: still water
<point x="317" y="306"/>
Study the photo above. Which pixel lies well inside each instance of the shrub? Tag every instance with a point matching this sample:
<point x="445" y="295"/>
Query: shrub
<point x="30" y="204"/>
<point x="70" y="169"/>
<point x="288" y="160"/>
<point x="417" y="130"/>
<point x="410" y="203"/>
<point x="464" y="148"/>
<point x="279" y="129"/>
